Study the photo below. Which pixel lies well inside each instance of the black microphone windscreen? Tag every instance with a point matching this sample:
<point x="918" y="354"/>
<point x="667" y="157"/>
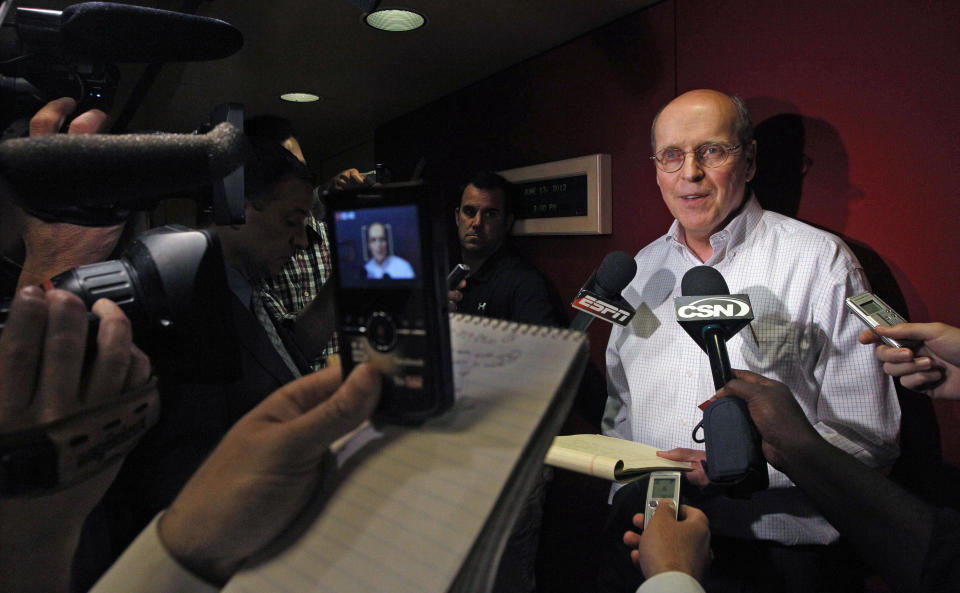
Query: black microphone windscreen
<point x="616" y="271"/>
<point x="126" y="33"/>
<point x="106" y="170"/>
<point x="703" y="280"/>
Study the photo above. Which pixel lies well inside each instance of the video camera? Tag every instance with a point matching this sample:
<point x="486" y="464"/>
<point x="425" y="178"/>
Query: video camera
<point x="171" y="285"/>
<point x="170" y="282"/>
<point x="47" y="54"/>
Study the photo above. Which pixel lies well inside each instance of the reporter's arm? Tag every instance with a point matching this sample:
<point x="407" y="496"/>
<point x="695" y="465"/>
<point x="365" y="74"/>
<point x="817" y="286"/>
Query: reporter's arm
<point x="671" y="582"/>
<point x="52" y="248"/>
<point x="889" y="527"/>
<point x="146" y="566"/>
<point x="269" y="463"/>
<point x="316" y="322"/>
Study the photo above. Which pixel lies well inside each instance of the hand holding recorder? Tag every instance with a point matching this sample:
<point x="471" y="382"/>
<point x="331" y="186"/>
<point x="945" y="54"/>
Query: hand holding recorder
<point x="671" y="541"/>
<point x="264" y="471"/>
<point x="934" y="368"/>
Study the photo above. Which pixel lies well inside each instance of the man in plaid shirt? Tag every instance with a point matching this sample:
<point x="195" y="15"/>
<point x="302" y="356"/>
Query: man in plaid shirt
<point x="302" y="278"/>
<point x="299" y="282"/>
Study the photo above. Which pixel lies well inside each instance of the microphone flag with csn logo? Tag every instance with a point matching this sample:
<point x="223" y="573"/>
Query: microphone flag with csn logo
<point x="731" y="312"/>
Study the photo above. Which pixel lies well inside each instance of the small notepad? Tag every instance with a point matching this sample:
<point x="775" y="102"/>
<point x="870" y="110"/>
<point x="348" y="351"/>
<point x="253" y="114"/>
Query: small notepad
<point x="608" y="458"/>
<point x="424" y="509"/>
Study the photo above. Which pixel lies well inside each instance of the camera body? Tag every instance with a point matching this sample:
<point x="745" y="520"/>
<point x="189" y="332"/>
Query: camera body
<point x="43" y="69"/>
<point x="171" y="285"/>
<point x="389" y="249"/>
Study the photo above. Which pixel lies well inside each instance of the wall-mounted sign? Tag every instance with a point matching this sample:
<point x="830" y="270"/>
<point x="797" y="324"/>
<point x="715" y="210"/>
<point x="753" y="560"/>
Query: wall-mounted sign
<point x="569" y="197"/>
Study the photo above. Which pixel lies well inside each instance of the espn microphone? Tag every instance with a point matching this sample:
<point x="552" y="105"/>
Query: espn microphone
<point x="120" y="33"/>
<point x="55" y="175"/>
<point x="711" y="315"/>
<point x="600" y="296"/>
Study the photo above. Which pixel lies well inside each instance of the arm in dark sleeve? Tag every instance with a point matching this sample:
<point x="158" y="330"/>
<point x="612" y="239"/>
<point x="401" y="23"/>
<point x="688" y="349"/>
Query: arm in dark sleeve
<point x="536" y="301"/>
<point x="890" y="528"/>
<point x="941" y="571"/>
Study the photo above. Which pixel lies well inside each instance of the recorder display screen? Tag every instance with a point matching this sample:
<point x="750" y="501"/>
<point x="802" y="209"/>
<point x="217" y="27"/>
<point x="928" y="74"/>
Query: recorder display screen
<point x="378" y="247"/>
<point x="663" y="488"/>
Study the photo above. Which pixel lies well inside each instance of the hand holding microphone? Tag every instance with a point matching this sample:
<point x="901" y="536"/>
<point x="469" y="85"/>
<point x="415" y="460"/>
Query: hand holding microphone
<point x="456" y="282"/>
<point x="711" y="315"/>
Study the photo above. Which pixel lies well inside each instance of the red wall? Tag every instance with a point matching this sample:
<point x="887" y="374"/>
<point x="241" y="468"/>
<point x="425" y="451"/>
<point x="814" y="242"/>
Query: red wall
<point x="875" y="85"/>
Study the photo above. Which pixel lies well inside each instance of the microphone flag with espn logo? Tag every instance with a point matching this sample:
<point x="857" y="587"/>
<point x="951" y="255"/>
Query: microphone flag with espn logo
<point x="614" y="310"/>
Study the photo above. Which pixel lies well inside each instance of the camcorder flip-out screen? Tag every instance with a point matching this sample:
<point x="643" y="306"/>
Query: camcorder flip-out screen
<point x="391" y="295"/>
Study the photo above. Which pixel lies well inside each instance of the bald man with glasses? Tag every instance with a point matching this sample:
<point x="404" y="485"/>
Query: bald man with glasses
<point x="797" y="278"/>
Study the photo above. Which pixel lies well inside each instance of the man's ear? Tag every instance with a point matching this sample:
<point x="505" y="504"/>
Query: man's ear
<point x="456" y="215"/>
<point x="510" y="220"/>
<point x="751" y="154"/>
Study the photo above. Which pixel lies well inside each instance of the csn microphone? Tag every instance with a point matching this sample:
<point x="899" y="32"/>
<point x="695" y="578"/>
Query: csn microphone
<point x="112" y="32"/>
<point x="600" y="296"/>
<point x="107" y="174"/>
<point x="711" y="315"/>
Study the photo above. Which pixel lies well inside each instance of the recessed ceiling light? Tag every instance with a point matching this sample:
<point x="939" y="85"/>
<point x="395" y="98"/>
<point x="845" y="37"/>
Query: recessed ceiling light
<point x="395" y="19"/>
<point x="300" y="97"/>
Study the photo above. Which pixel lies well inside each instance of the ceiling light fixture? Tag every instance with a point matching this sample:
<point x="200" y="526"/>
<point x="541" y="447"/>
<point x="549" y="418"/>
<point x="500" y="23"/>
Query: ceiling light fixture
<point x="395" y="19"/>
<point x="300" y="97"/>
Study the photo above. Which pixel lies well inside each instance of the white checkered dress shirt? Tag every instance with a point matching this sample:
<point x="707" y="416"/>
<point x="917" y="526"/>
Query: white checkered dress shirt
<point x="797" y="278"/>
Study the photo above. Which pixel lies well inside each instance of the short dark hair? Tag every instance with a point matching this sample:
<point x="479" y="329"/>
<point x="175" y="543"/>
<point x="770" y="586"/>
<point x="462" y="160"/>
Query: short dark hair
<point x="269" y="127"/>
<point x="268" y="164"/>
<point x="488" y="181"/>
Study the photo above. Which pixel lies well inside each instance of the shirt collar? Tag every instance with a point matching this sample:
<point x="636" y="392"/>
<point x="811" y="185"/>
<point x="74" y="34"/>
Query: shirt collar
<point x="488" y="265"/>
<point x="239" y="285"/>
<point x="730" y="236"/>
<point x="313" y="225"/>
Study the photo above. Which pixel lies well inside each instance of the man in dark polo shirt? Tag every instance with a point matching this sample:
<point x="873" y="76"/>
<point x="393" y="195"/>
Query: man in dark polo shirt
<point x="501" y="284"/>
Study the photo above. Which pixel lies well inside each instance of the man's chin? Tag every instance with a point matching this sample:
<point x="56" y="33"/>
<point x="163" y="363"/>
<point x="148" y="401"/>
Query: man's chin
<point x="274" y="269"/>
<point x="472" y="244"/>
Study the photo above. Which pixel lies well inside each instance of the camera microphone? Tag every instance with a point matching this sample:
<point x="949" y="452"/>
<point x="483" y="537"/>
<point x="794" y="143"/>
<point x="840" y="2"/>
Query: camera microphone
<point x="113" y="32"/>
<point x="600" y="295"/>
<point x="98" y="178"/>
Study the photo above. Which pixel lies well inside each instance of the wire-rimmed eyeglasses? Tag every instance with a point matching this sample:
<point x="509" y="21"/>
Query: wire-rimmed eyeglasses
<point x="669" y="160"/>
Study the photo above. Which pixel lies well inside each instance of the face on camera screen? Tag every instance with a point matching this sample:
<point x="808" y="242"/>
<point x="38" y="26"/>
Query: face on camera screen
<point x="378" y="247"/>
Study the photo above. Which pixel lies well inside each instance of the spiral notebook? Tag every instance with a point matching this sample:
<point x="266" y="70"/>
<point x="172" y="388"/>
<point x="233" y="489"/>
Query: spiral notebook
<point x="429" y="508"/>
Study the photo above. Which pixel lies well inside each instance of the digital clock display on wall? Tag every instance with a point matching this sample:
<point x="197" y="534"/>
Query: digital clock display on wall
<point x="552" y="198"/>
<point x="566" y="197"/>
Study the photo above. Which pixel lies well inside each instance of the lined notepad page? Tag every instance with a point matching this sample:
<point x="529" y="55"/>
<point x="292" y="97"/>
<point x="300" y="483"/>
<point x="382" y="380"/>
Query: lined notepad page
<point x="409" y="506"/>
